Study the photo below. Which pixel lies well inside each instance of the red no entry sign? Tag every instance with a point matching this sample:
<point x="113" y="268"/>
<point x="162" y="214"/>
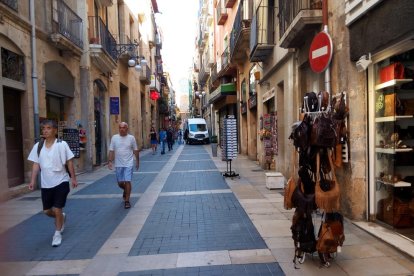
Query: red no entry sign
<point x="320" y="52"/>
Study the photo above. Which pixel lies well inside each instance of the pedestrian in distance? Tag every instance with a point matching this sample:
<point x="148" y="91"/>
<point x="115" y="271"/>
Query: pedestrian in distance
<point x="163" y="139"/>
<point x="170" y="138"/>
<point x="186" y="135"/>
<point x="154" y="141"/>
<point x="180" y="136"/>
<point x="122" y="149"/>
<point x="50" y="156"/>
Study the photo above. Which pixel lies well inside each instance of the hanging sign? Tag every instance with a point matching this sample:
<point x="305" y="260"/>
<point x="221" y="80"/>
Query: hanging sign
<point x="320" y="52"/>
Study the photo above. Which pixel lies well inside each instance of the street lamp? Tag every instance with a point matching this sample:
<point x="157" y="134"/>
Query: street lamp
<point x="137" y="62"/>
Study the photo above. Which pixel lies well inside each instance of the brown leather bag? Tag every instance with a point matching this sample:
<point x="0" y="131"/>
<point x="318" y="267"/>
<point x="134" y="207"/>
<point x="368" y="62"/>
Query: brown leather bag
<point x="289" y="188"/>
<point x="323" y="132"/>
<point x="331" y="235"/>
<point x="327" y="200"/>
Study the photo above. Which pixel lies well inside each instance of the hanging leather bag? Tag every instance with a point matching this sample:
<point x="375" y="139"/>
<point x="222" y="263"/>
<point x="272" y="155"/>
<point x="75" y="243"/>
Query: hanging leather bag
<point x="327" y="200"/>
<point x="323" y="132"/>
<point x="331" y="234"/>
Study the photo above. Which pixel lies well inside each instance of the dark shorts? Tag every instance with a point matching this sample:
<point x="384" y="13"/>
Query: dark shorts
<point x="56" y="196"/>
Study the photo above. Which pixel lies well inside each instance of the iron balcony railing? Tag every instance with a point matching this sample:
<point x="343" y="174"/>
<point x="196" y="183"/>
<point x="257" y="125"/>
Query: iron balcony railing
<point x="10" y="3"/>
<point x="288" y="10"/>
<point x="69" y="24"/>
<point x="262" y="32"/>
<point x="225" y="58"/>
<point x="240" y="23"/>
<point x="99" y="34"/>
<point x="214" y="75"/>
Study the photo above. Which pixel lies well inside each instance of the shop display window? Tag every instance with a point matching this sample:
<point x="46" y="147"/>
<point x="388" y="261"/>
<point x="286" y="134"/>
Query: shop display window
<point x="394" y="142"/>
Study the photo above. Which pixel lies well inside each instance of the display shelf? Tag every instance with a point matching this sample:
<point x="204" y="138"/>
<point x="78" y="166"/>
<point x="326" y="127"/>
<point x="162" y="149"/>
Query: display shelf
<point x="391" y="150"/>
<point x="395" y="184"/>
<point x="392" y="118"/>
<point x="392" y="83"/>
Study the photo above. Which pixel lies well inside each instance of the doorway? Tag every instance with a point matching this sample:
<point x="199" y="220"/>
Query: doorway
<point x="14" y="140"/>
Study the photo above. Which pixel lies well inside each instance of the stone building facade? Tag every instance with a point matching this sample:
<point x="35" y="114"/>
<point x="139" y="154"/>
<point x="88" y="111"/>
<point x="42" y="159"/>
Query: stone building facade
<point x="74" y="66"/>
<point x="274" y="73"/>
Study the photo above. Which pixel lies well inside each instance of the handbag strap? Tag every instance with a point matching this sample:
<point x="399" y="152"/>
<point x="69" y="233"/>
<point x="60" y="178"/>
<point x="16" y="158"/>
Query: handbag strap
<point x="332" y="166"/>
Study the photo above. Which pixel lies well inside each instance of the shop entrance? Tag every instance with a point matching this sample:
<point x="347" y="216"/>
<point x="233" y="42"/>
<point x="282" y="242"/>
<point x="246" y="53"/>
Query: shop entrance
<point x="13" y="131"/>
<point x="99" y="89"/>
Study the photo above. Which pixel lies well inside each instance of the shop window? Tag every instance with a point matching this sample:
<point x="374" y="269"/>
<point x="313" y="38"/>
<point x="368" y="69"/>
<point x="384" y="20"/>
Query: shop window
<point x="12" y="65"/>
<point x="394" y="142"/>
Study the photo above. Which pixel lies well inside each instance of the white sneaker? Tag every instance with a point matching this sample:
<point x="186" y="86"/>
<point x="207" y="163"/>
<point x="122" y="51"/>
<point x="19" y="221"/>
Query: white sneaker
<point x="63" y="224"/>
<point x="57" y="240"/>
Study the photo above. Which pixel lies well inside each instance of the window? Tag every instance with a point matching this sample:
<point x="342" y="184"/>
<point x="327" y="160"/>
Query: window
<point x="197" y="127"/>
<point x="12" y="65"/>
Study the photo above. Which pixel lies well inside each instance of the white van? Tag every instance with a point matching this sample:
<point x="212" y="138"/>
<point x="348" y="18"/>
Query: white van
<point x="197" y="131"/>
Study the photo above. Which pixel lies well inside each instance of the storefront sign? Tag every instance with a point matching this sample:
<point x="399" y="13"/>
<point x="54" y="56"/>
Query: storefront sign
<point x="268" y="95"/>
<point x="114" y="105"/>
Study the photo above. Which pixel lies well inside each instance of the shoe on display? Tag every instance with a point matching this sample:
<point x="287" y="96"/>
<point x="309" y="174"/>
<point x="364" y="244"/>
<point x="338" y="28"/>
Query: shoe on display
<point x="57" y="240"/>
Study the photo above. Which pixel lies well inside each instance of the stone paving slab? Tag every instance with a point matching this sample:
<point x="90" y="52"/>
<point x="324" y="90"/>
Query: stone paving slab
<point x="109" y="185"/>
<point x="194" y="157"/>
<point x="193" y="149"/>
<point x="235" y="270"/>
<point x="89" y="224"/>
<point x="194" y="181"/>
<point x="196" y="223"/>
<point x="192" y="165"/>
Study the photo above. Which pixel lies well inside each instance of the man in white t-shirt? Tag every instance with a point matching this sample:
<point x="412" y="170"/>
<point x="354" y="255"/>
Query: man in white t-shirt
<point x="50" y="157"/>
<point x="122" y="149"/>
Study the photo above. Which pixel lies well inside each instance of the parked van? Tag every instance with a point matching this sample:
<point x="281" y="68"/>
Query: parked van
<point x="197" y="131"/>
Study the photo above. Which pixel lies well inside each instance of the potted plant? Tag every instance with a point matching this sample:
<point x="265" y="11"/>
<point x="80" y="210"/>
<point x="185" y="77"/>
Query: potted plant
<point x="213" y="141"/>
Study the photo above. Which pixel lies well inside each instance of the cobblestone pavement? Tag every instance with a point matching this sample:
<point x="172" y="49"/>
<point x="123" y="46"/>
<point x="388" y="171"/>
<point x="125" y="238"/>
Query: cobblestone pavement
<point x="186" y="219"/>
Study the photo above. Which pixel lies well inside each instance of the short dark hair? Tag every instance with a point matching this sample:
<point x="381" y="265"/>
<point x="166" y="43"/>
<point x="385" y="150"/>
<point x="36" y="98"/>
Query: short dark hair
<point x="51" y="123"/>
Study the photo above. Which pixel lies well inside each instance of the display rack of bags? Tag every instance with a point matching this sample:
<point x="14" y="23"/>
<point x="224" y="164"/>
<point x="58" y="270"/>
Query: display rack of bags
<point x="313" y="189"/>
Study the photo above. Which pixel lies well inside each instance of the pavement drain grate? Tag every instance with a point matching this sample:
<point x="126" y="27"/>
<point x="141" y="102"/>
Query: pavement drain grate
<point x="257" y="170"/>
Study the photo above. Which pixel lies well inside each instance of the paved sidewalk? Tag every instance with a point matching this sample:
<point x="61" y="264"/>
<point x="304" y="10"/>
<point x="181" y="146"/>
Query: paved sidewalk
<point x="186" y="219"/>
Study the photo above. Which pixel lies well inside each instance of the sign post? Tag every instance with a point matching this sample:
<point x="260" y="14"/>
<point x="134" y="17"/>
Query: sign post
<point x="320" y="52"/>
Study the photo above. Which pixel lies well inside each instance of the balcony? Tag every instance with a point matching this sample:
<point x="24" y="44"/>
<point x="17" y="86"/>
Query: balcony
<point x="145" y="75"/>
<point x="10" y="3"/>
<point x="102" y="45"/>
<point x="240" y="36"/>
<point x="261" y="35"/>
<point x="222" y="14"/>
<point x="67" y="28"/>
<point x="223" y="91"/>
<point x="227" y="69"/>
<point x="230" y="3"/>
<point x="155" y="84"/>
<point x="203" y="74"/>
<point x="297" y="20"/>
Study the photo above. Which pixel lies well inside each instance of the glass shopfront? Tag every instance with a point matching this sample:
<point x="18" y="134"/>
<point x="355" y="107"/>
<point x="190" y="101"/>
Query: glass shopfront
<point x="391" y="128"/>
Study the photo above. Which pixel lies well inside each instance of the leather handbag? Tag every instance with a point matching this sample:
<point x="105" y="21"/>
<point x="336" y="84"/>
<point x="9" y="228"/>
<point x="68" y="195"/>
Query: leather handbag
<point x="327" y="200"/>
<point x="391" y="72"/>
<point x="289" y="188"/>
<point x="323" y="132"/>
<point x="331" y="234"/>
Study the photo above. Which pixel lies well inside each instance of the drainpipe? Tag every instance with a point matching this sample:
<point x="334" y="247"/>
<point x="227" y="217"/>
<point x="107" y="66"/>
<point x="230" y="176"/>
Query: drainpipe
<point x="34" y="73"/>
<point x="325" y="29"/>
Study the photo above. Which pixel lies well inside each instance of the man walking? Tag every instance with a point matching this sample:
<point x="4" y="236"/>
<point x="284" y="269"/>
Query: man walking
<point x="122" y="149"/>
<point x="163" y="139"/>
<point x="49" y="156"/>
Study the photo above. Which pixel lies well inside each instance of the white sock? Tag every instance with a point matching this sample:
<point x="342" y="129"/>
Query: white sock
<point x="57" y="232"/>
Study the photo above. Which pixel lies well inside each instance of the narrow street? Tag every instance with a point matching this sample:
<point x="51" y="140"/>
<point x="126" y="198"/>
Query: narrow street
<point x="186" y="219"/>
